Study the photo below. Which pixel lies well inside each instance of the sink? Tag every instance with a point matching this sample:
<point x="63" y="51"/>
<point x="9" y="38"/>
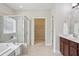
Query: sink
<point x="74" y="35"/>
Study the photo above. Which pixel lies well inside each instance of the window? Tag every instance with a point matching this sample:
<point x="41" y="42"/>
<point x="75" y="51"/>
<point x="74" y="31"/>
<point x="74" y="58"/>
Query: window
<point x="9" y="25"/>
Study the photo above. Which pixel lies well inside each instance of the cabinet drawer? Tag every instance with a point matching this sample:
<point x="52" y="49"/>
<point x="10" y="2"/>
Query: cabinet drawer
<point x="73" y="44"/>
<point x="61" y="39"/>
<point x="66" y="41"/>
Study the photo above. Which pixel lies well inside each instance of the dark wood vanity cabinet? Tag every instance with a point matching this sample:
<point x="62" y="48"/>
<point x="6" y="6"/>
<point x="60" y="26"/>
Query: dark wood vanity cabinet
<point x="64" y="46"/>
<point x="61" y="45"/>
<point x="73" y="48"/>
<point x="68" y="48"/>
<point x="78" y="50"/>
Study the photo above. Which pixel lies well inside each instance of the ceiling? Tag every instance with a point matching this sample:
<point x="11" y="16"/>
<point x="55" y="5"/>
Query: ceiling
<point x="29" y="6"/>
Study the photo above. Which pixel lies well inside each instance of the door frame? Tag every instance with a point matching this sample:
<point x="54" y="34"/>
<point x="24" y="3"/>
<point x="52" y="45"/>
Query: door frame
<point x="29" y="31"/>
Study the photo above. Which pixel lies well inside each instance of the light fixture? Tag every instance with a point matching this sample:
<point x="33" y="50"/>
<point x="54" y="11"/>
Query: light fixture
<point x="74" y="4"/>
<point x="20" y="6"/>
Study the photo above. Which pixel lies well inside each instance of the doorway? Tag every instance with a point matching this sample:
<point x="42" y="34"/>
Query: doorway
<point x="39" y="30"/>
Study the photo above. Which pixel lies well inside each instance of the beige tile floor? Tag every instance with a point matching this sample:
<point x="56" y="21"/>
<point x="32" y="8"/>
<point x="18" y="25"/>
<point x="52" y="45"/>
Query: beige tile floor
<point x="40" y="50"/>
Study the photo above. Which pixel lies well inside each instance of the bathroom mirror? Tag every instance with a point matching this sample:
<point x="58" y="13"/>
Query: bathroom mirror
<point x="7" y="28"/>
<point x="75" y="22"/>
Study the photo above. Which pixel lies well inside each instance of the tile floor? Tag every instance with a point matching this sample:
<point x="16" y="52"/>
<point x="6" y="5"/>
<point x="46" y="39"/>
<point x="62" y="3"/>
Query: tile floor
<point x="40" y="50"/>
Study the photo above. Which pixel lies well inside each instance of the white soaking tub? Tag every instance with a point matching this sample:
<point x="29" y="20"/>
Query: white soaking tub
<point x="4" y="48"/>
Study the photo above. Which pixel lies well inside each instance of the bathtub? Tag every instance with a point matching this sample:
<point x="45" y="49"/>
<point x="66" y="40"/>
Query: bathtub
<point x="7" y="48"/>
<point x="4" y="48"/>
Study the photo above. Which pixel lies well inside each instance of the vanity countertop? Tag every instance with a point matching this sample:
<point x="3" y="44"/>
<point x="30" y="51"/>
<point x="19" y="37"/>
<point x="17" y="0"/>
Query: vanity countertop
<point x="74" y="39"/>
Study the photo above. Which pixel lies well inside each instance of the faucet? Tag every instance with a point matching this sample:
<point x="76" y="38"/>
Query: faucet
<point x="75" y="35"/>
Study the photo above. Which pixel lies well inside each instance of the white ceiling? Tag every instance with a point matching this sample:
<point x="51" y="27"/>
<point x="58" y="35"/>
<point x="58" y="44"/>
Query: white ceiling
<point x="30" y="6"/>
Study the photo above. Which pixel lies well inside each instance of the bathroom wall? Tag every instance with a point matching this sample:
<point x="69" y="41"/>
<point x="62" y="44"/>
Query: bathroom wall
<point x="1" y="28"/>
<point x="4" y="37"/>
<point x="60" y="14"/>
<point x="20" y="29"/>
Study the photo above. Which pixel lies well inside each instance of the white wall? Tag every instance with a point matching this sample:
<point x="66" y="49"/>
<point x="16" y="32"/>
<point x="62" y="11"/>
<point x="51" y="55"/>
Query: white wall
<point x="31" y="14"/>
<point x="4" y="37"/>
<point x="60" y="13"/>
<point x="20" y="29"/>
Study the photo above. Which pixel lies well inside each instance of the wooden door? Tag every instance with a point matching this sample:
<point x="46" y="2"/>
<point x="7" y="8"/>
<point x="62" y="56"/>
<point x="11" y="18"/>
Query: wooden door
<point x="39" y="30"/>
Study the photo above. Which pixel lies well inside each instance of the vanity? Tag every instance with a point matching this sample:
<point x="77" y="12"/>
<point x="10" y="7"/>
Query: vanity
<point x="69" y="46"/>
